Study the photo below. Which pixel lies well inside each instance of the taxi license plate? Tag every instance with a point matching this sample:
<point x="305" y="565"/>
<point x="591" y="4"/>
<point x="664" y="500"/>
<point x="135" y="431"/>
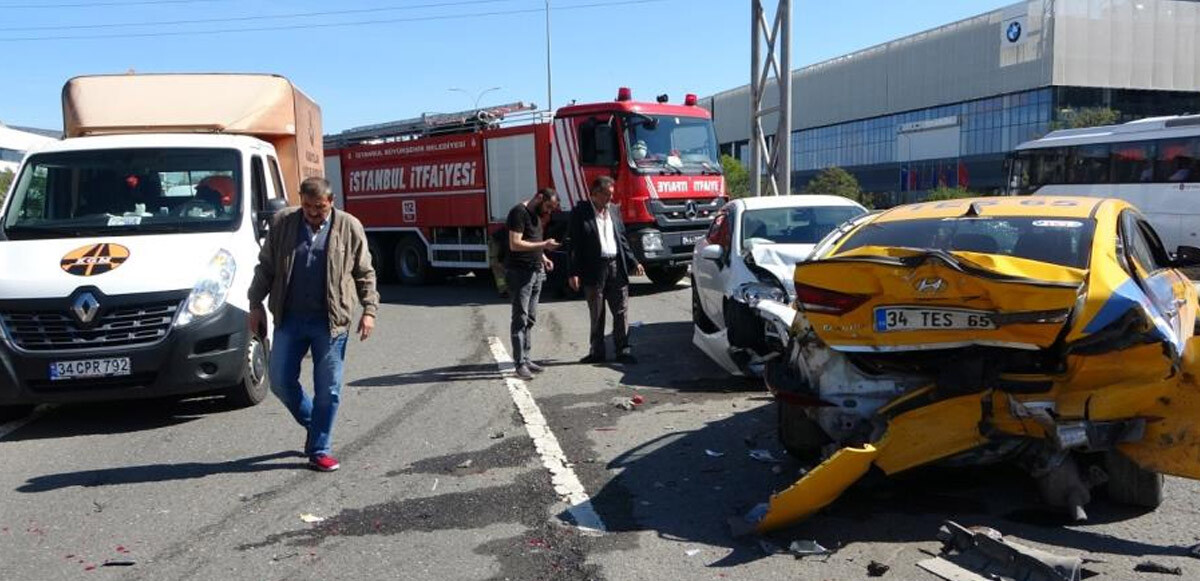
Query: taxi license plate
<point x="688" y="240"/>
<point x="110" y="367"/>
<point x="923" y="319"/>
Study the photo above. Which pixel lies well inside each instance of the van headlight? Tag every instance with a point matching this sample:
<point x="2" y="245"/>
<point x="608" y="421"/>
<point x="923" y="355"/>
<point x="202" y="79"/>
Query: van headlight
<point x="211" y="290"/>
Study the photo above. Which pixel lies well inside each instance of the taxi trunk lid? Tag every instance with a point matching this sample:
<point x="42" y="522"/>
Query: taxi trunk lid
<point x="889" y="299"/>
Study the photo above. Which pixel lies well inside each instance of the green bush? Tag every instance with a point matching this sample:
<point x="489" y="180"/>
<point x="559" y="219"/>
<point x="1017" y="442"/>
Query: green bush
<point x="945" y="193"/>
<point x="737" y="179"/>
<point x="836" y="181"/>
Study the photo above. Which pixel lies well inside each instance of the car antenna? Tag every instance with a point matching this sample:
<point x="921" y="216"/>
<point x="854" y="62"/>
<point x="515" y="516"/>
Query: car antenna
<point x="972" y="211"/>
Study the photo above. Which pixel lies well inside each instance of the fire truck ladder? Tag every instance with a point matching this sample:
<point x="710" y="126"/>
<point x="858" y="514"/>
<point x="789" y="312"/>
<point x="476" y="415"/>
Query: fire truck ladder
<point x="433" y="124"/>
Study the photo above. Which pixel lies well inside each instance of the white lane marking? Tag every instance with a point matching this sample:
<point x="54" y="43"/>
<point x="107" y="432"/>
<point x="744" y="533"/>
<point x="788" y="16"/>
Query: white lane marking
<point x="9" y="427"/>
<point x="562" y="476"/>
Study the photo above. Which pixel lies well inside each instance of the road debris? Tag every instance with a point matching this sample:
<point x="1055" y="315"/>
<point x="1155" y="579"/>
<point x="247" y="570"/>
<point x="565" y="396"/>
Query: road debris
<point x="1152" y="567"/>
<point x="807" y="548"/>
<point x="1194" y="551"/>
<point x="713" y="453"/>
<point x="625" y="403"/>
<point x="877" y="569"/>
<point x="496" y="435"/>
<point x="465" y="464"/>
<point x="763" y="456"/>
<point x="692" y="552"/>
<point x="434" y="487"/>
<point x="981" y="553"/>
<point x="311" y="518"/>
<point x="119" y="563"/>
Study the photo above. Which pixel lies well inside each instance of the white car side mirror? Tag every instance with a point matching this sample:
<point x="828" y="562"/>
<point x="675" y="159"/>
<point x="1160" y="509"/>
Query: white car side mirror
<point x="712" y="252"/>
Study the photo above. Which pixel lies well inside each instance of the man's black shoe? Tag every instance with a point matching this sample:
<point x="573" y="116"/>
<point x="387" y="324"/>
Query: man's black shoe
<point x="592" y="358"/>
<point x="534" y="367"/>
<point x="627" y="358"/>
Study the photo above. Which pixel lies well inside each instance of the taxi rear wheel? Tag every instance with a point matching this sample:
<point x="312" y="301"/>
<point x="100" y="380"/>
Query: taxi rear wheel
<point x="799" y="434"/>
<point x="1131" y="484"/>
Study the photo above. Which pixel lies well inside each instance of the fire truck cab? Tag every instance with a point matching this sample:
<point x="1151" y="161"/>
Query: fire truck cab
<point x="431" y="190"/>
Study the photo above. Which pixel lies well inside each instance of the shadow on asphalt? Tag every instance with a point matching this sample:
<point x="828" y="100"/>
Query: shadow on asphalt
<point x="161" y="472"/>
<point x="667" y="359"/>
<point x="470" y="290"/>
<point x="672" y="486"/>
<point x="465" y="372"/>
<point x="118" y="417"/>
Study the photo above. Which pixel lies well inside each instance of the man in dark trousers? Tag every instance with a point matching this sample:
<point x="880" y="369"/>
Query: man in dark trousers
<point x="601" y="261"/>
<point x="525" y="270"/>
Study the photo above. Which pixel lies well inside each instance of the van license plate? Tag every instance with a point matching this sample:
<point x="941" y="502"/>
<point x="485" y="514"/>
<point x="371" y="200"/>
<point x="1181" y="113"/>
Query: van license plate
<point x="690" y="240"/>
<point x="111" y="367"/>
<point x="921" y="319"/>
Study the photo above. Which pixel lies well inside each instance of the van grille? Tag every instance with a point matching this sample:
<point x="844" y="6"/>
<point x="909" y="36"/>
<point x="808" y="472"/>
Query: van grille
<point x="125" y="326"/>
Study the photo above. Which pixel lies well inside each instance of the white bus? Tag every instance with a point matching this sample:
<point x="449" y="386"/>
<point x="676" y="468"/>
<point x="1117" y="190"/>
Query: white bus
<point x="1152" y="163"/>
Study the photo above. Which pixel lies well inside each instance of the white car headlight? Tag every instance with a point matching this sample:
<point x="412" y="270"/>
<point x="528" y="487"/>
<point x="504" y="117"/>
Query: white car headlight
<point x="753" y="292"/>
<point x="211" y="290"/>
<point x="652" y="242"/>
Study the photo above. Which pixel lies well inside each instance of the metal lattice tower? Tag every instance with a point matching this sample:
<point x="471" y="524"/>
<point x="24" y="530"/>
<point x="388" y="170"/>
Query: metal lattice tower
<point x="772" y="161"/>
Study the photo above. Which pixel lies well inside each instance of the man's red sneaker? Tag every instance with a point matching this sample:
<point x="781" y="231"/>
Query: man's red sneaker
<point x="323" y="463"/>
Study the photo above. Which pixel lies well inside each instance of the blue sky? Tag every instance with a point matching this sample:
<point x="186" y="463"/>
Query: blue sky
<point x="363" y="74"/>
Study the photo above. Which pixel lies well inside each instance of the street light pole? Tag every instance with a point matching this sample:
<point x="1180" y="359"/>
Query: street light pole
<point x="477" y="97"/>
<point x="549" y="83"/>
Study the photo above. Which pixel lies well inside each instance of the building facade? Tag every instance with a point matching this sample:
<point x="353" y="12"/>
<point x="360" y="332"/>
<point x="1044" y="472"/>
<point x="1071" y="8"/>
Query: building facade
<point x="945" y="106"/>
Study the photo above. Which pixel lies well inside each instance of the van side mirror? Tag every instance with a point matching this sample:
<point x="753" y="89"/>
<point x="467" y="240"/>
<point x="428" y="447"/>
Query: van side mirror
<point x="265" y="216"/>
<point x="1187" y="256"/>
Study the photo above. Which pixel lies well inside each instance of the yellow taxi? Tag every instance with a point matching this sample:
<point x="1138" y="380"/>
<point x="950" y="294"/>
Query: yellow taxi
<point x="1054" y="331"/>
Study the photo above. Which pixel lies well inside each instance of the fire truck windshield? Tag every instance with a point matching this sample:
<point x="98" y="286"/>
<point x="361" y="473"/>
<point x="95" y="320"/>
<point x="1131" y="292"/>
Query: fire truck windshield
<point x="667" y="143"/>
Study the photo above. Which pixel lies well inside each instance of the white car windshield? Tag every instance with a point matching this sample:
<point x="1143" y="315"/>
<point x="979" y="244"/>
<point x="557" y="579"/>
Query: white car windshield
<point x="804" y="225"/>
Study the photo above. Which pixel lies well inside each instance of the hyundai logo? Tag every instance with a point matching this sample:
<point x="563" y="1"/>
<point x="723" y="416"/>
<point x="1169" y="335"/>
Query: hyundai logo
<point x="690" y="210"/>
<point x="1014" y="32"/>
<point x="85" y="307"/>
<point x="930" y="285"/>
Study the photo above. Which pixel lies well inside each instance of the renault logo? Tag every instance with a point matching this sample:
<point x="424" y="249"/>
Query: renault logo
<point x="690" y="211"/>
<point x="85" y="307"/>
<point x="931" y="285"/>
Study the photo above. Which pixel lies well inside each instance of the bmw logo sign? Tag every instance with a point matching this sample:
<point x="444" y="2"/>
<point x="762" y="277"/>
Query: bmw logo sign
<point x="1014" y="32"/>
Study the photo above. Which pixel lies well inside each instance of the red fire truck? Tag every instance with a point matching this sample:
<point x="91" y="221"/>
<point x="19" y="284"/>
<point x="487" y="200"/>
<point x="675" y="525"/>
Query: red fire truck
<point x="430" y="190"/>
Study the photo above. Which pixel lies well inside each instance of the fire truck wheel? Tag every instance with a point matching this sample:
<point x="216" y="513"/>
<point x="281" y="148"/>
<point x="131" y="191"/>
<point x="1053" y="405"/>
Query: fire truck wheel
<point x="412" y="262"/>
<point x="384" y="271"/>
<point x="666" y="275"/>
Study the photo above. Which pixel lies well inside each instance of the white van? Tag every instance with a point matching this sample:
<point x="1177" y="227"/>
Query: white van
<point x="126" y="259"/>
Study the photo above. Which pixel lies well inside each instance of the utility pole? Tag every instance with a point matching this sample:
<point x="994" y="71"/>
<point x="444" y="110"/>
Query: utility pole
<point x="775" y="158"/>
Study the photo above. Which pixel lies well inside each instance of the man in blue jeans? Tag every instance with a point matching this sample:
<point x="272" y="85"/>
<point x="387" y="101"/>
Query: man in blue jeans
<point x="315" y="267"/>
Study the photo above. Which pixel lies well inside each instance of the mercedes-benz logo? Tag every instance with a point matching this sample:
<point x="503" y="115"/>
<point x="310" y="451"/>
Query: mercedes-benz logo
<point x="930" y="285"/>
<point x="1014" y="32"/>
<point x="690" y="211"/>
<point x="85" y="307"/>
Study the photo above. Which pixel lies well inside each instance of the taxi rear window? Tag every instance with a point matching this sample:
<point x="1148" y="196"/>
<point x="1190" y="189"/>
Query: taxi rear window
<point x="1065" y="242"/>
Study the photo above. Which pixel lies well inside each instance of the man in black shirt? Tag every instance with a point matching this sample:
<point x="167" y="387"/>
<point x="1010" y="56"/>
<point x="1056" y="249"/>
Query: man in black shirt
<point x="525" y="270"/>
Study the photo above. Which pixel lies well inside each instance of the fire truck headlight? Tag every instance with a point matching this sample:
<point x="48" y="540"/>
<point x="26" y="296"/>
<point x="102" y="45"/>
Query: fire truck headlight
<point x="652" y="242"/>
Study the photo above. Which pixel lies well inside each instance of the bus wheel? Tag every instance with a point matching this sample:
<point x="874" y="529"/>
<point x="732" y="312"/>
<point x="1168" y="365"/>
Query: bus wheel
<point x="412" y="262"/>
<point x="385" y="271"/>
<point x="666" y="275"/>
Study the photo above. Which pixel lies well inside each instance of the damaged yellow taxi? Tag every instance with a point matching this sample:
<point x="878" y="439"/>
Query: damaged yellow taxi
<point x="1054" y="332"/>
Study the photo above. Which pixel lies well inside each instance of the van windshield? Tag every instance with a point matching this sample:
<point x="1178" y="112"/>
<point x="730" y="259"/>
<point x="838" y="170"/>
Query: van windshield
<point x="126" y="191"/>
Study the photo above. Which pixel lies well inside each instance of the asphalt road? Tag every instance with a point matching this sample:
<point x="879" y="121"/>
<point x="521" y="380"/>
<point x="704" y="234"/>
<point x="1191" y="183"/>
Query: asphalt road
<point x="440" y="479"/>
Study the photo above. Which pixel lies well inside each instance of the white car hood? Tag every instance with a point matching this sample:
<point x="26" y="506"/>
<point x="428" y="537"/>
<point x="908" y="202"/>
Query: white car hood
<point x="780" y="259"/>
<point x="156" y="262"/>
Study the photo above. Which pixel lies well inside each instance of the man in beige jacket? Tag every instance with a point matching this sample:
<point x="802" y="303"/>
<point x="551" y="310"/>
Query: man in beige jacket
<point x="315" y="266"/>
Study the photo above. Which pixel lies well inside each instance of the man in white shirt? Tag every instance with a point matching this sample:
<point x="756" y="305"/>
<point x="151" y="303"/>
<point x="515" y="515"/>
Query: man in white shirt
<point x="602" y="262"/>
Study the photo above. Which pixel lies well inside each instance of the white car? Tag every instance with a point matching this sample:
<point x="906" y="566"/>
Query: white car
<point x="750" y="252"/>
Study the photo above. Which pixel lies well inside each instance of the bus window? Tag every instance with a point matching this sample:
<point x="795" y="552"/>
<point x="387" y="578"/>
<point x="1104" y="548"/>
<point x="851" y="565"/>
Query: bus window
<point x="1133" y="163"/>
<point x="1179" y="160"/>
<point x="1050" y="166"/>
<point x="1089" y="165"/>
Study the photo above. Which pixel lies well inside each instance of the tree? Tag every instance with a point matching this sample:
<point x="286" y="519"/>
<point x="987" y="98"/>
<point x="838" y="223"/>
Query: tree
<point x="836" y="181"/>
<point x="1086" y="117"/>
<point x="737" y="179"/>
<point x="946" y="193"/>
<point x="6" y="178"/>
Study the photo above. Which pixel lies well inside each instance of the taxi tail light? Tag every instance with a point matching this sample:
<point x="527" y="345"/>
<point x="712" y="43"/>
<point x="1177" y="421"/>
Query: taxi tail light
<point x="819" y="300"/>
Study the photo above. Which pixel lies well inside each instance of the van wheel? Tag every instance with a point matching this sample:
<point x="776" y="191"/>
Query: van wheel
<point x="666" y="275"/>
<point x="1131" y="484"/>
<point x="412" y="262"/>
<point x="385" y="271"/>
<point x="800" y="435"/>
<point x="255" y="383"/>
